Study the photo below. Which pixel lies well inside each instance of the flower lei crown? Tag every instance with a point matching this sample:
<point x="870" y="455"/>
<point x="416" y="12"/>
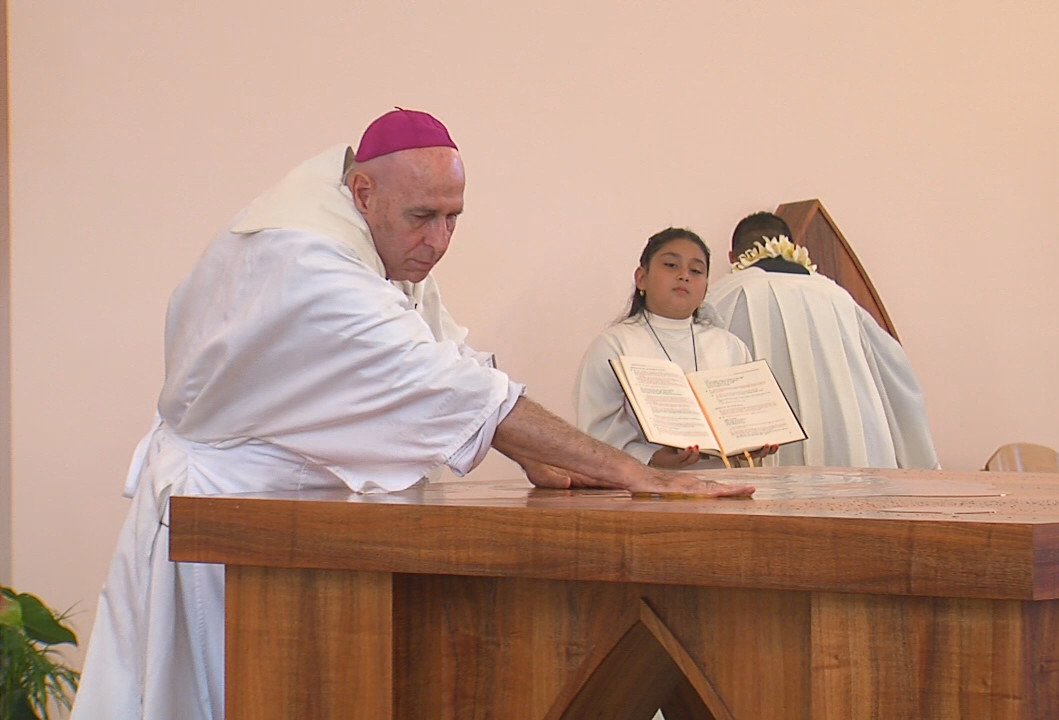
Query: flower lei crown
<point x="780" y="247"/>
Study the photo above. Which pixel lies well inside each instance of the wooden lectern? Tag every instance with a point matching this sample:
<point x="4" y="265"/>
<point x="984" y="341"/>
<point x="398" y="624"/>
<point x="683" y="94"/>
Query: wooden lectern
<point x="812" y="227"/>
<point x="834" y="593"/>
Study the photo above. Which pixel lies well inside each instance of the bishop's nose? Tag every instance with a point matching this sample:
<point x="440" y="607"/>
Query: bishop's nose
<point x="438" y="235"/>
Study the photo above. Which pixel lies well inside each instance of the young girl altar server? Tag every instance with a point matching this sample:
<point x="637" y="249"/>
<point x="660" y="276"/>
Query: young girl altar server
<point x="664" y="320"/>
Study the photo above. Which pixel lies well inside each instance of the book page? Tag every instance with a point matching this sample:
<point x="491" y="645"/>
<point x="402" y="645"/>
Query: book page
<point x="663" y="402"/>
<point x="747" y="407"/>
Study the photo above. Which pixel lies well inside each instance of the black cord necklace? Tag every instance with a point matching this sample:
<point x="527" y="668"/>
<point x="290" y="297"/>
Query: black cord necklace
<point x="694" y="351"/>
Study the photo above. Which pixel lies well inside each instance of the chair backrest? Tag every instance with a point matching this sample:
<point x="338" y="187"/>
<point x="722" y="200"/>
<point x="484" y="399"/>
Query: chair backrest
<point x="1024" y="457"/>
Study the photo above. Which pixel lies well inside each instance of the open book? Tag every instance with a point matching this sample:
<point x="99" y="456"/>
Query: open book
<point x="725" y="411"/>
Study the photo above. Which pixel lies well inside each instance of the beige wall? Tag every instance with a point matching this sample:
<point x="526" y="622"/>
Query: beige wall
<point x="927" y="129"/>
<point x="5" y="318"/>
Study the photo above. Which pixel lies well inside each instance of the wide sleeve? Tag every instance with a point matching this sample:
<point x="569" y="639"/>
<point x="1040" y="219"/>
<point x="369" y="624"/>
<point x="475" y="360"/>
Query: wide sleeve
<point x="427" y="302"/>
<point x="290" y="340"/>
<point x="602" y="410"/>
<point x="902" y="399"/>
<point x="738" y="352"/>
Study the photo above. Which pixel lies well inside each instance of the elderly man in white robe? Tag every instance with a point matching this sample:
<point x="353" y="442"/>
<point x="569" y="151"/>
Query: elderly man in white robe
<point x="309" y="348"/>
<point x="849" y="381"/>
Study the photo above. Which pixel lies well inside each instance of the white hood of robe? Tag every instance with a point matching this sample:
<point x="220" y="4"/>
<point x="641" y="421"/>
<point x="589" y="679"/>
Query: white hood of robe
<point x="313" y="197"/>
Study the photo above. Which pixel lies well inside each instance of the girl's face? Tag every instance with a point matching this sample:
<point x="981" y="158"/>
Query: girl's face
<point x="674" y="282"/>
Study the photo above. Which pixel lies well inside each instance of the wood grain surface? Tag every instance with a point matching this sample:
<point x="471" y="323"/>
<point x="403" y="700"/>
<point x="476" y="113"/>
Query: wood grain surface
<point x="832" y="594"/>
<point x="807" y="529"/>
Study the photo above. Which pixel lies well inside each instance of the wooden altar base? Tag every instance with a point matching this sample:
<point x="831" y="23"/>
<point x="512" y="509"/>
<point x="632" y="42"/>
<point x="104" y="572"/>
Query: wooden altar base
<point x="464" y="601"/>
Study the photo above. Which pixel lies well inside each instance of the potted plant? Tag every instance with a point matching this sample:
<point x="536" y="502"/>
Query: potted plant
<point x="31" y="671"/>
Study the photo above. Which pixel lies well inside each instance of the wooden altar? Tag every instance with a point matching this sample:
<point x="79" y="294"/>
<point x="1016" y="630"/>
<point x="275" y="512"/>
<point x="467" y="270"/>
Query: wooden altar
<point x="834" y="593"/>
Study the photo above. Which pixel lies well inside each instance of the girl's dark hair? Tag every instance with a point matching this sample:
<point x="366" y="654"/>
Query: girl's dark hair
<point x="655" y="243"/>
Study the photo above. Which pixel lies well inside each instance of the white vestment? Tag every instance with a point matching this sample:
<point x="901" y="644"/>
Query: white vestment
<point x="602" y="409"/>
<point x="848" y="380"/>
<point x="291" y="363"/>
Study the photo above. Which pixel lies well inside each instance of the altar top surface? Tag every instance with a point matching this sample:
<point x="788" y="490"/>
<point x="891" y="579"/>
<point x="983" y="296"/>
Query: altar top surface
<point x="963" y="534"/>
<point x="812" y="492"/>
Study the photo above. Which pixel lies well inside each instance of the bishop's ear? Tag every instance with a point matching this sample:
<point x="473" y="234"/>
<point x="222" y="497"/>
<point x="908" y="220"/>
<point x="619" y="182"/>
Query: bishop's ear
<point x="361" y="186"/>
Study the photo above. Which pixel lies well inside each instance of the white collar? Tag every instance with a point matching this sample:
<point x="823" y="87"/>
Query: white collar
<point x="660" y="322"/>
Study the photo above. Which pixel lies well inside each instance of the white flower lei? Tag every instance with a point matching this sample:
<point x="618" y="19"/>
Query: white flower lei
<point x="780" y="247"/>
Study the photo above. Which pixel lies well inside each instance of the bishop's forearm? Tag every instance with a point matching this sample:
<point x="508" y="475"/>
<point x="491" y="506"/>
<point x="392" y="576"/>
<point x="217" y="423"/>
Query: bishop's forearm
<point x="554" y="454"/>
<point x="531" y="434"/>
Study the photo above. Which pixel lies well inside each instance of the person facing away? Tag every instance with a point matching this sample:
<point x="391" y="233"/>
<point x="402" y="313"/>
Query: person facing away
<point x="849" y="381"/>
<point x="309" y="348"/>
<point x="664" y="319"/>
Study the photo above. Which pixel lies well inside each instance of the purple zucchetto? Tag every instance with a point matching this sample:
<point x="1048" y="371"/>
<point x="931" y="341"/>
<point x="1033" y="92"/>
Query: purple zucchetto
<point x="402" y="130"/>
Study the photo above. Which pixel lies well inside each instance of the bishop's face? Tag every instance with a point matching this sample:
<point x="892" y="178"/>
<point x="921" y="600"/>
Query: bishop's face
<point x="410" y="201"/>
<point x="674" y="281"/>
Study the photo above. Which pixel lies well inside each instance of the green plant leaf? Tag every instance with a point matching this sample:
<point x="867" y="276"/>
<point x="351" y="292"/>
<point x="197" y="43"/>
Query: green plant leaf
<point x="10" y="610"/>
<point x="17" y="707"/>
<point x="22" y="710"/>
<point x="41" y="625"/>
<point x="32" y="674"/>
